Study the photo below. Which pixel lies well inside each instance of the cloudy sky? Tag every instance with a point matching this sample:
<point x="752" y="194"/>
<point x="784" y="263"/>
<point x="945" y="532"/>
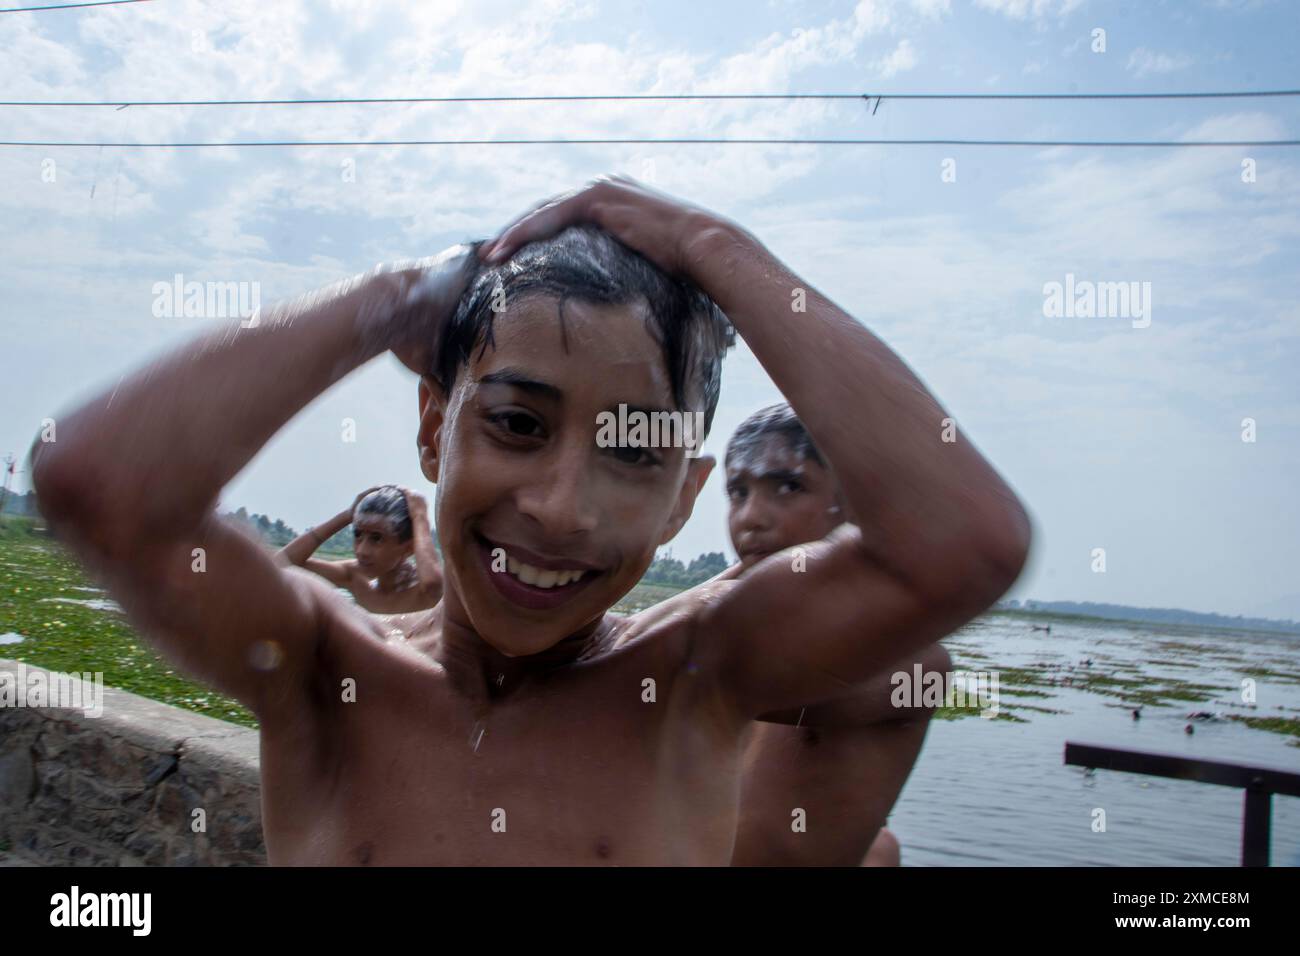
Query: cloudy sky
<point x="1117" y="437"/>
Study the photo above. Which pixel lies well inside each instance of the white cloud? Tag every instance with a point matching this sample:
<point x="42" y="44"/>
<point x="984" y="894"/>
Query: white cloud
<point x="1026" y="9"/>
<point x="901" y="59"/>
<point x="1143" y="62"/>
<point x="934" y="9"/>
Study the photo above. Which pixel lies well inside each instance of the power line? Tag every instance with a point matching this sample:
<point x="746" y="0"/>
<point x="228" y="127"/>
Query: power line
<point x="69" y="6"/>
<point x="660" y="97"/>
<point x="674" y="141"/>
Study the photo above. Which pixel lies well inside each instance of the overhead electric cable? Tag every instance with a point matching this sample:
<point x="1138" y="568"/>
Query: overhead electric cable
<point x="633" y="97"/>
<point x="670" y="141"/>
<point x="68" y="6"/>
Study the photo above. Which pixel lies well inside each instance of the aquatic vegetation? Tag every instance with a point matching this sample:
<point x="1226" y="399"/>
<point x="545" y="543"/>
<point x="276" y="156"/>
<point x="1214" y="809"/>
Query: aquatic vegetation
<point x="1286" y="677"/>
<point x="1021" y="692"/>
<point x="957" y="713"/>
<point x="1277" y="725"/>
<point x="1041" y="710"/>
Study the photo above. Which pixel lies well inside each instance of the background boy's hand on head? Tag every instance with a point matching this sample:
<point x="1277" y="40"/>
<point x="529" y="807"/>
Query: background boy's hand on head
<point x="361" y="497"/>
<point x="415" y="502"/>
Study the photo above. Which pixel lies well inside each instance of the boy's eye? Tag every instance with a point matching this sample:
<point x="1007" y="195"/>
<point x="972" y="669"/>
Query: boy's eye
<point x="736" y="493"/>
<point x="517" y="424"/>
<point x="788" y="487"/>
<point x="631" y="455"/>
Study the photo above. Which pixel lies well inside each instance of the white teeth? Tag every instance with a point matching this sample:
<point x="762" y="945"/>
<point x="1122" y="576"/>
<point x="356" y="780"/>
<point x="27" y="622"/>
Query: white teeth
<point x="540" y="577"/>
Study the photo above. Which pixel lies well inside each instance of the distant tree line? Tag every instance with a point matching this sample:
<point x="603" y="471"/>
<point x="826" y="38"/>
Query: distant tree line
<point x="277" y="534"/>
<point x="1163" y="615"/>
<point x="671" y="571"/>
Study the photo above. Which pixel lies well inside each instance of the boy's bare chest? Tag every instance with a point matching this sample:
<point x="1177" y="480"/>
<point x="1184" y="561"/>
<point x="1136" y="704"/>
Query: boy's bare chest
<point x="587" y="770"/>
<point x="405" y="599"/>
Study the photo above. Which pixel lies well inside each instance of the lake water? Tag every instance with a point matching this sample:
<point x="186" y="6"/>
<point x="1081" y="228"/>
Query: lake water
<point x="995" y="792"/>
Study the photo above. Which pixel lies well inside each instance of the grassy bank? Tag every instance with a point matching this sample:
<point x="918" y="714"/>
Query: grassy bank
<point x="42" y="598"/>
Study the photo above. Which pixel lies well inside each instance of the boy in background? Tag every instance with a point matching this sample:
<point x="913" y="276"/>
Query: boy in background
<point x="390" y="527"/>
<point x="844" y="762"/>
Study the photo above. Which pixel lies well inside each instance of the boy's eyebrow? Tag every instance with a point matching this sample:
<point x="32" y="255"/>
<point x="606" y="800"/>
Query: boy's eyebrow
<point x="516" y="378"/>
<point x="775" y="474"/>
<point x="781" y="474"/>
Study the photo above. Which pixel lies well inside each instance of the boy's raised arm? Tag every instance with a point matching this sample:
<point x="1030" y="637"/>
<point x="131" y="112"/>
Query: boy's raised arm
<point x="426" y="555"/>
<point x="939" y="536"/>
<point x="130" y="482"/>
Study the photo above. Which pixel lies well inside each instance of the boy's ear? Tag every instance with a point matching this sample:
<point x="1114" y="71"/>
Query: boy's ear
<point x="697" y="473"/>
<point x="428" y="439"/>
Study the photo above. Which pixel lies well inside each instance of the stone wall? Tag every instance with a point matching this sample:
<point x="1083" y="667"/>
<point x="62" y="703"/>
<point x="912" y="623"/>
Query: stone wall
<point x="121" y="789"/>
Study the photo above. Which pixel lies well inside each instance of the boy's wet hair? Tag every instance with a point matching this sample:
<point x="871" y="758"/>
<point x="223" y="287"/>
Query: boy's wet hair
<point x="766" y="424"/>
<point x="586" y="263"/>
<point x="388" y="502"/>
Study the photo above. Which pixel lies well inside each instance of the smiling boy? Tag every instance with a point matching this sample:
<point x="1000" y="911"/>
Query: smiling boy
<point x="528" y="725"/>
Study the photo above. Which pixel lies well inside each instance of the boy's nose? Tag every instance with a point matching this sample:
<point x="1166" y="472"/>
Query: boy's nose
<point x="561" y="499"/>
<point x="753" y="515"/>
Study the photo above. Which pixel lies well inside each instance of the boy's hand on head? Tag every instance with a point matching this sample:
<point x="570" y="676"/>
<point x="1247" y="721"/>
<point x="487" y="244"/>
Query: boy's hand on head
<point x="415" y="502"/>
<point x="663" y="229"/>
<point x="357" y="500"/>
<point x="428" y="293"/>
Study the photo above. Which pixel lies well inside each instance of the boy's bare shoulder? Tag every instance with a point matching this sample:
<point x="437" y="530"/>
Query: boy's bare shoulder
<point x="350" y="634"/>
<point x="671" y="621"/>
